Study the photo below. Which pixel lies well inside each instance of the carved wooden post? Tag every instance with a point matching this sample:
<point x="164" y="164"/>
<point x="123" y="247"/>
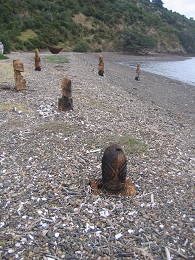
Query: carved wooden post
<point x="19" y="80"/>
<point x="114" y="172"/>
<point x="37" y="60"/>
<point x="137" y="72"/>
<point x="65" y="102"/>
<point x="101" y="66"/>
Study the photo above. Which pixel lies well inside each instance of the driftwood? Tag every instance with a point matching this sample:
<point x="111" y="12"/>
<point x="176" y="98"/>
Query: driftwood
<point x="101" y="66"/>
<point x="37" y="60"/>
<point x="19" y="80"/>
<point x="114" y="172"/>
<point x="65" y="103"/>
<point x="54" y="50"/>
<point x="137" y="72"/>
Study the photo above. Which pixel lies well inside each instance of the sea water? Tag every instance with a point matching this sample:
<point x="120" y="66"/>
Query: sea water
<point x="180" y="70"/>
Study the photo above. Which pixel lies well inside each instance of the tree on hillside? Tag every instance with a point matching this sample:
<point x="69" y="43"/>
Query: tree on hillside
<point x="158" y="3"/>
<point x="137" y="42"/>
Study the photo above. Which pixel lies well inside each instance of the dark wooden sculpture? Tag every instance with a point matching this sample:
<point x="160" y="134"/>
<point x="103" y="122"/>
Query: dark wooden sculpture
<point x="37" y="60"/>
<point x="54" y="50"/>
<point x="101" y="66"/>
<point x="137" y="72"/>
<point x="114" y="172"/>
<point x="19" y="80"/>
<point x="65" y="103"/>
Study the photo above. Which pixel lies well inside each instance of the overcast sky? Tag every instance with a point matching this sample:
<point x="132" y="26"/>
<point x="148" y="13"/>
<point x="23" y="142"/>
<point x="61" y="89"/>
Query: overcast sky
<point x="185" y="7"/>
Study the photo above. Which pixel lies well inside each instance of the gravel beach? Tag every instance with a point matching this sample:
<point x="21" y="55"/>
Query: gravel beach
<point x="47" y="210"/>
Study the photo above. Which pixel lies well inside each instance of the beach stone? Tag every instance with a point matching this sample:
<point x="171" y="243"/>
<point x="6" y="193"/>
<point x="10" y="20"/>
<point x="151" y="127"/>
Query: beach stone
<point x="37" y="250"/>
<point x="50" y="234"/>
<point x="146" y="216"/>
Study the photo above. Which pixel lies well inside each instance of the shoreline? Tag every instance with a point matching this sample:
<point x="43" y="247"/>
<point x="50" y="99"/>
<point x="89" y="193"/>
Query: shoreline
<point x="48" y="158"/>
<point x="175" y="96"/>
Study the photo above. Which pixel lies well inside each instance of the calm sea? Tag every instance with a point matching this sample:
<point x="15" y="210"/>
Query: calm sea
<point x="179" y="70"/>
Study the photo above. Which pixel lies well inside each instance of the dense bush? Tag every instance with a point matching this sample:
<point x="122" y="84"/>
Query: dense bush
<point x="82" y="46"/>
<point x="137" y="42"/>
<point x="66" y="22"/>
<point x="4" y="38"/>
<point x="188" y="41"/>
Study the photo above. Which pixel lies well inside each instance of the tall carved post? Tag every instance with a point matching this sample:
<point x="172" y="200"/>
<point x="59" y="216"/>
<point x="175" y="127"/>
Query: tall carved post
<point x="65" y="102"/>
<point x="137" y="72"/>
<point x="101" y="66"/>
<point x="19" y="80"/>
<point x="37" y="60"/>
<point x="114" y="172"/>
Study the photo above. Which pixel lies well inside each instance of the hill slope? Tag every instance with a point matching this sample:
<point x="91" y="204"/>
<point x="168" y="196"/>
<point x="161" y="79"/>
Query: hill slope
<point x="126" y="25"/>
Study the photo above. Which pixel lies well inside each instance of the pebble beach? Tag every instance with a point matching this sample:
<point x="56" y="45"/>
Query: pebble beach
<point x="47" y="157"/>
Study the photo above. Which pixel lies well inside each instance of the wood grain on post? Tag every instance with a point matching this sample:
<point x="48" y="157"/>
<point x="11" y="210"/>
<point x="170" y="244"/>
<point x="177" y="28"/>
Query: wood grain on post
<point x="37" y="60"/>
<point x="20" y="82"/>
<point x="65" y="103"/>
<point x="101" y="65"/>
<point x="114" y="173"/>
<point x="137" y="77"/>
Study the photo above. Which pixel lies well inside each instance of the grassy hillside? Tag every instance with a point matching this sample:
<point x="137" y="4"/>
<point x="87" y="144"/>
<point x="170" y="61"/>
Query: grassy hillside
<point x="134" y="26"/>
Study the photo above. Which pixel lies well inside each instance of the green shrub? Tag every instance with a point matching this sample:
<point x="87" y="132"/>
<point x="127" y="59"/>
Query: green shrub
<point x="57" y="59"/>
<point x="81" y="46"/>
<point x="135" y="41"/>
<point x="188" y="41"/>
<point x="3" y="57"/>
<point x="6" y="43"/>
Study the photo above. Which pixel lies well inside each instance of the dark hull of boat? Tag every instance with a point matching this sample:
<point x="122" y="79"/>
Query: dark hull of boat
<point x="54" y="50"/>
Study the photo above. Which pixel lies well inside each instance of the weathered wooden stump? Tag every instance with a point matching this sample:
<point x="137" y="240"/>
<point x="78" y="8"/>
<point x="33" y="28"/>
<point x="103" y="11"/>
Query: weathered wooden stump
<point x="114" y="172"/>
<point x="101" y="66"/>
<point x="137" y="72"/>
<point x="37" y="60"/>
<point x="65" y="103"/>
<point x="19" y="80"/>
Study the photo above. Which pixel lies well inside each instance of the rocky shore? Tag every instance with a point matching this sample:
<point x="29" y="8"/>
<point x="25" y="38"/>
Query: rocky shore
<point x="48" y="157"/>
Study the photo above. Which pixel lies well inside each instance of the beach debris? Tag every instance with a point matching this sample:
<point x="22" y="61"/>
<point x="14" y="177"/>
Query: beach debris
<point x="168" y="255"/>
<point x="152" y="200"/>
<point x="114" y="172"/>
<point x="104" y="213"/>
<point x="131" y="231"/>
<point x="47" y="110"/>
<point x="117" y="236"/>
<point x="65" y="103"/>
<point x="19" y="80"/>
<point x="101" y="65"/>
<point x="37" y="60"/>
<point x="137" y="72"/>
<point x="89" y="227"/>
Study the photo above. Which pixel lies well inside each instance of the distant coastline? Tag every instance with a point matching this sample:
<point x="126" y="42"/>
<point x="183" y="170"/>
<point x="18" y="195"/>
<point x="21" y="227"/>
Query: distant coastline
<point x="182" y="70"/>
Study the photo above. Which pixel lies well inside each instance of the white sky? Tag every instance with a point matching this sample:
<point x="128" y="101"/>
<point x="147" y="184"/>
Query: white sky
<point x="185" y="7"/>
